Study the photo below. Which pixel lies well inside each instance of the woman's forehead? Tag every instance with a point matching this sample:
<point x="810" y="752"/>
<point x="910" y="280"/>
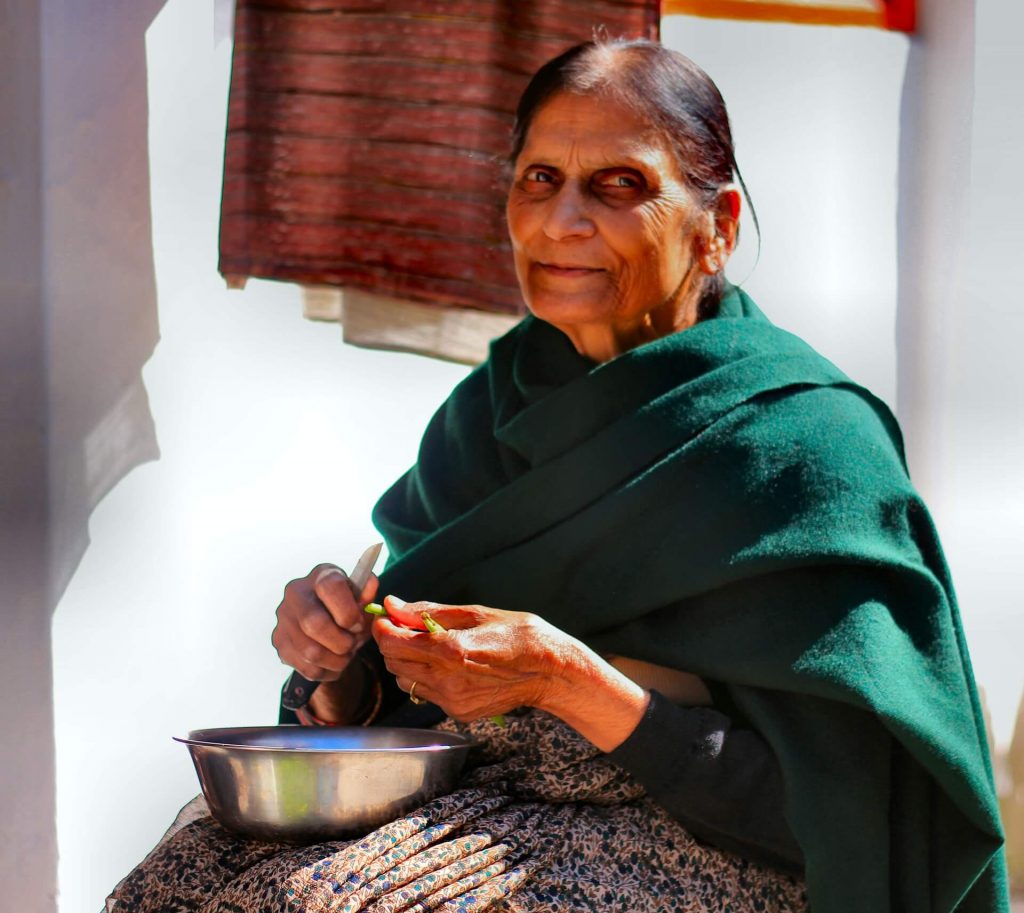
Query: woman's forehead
<point x="593" y="128"/>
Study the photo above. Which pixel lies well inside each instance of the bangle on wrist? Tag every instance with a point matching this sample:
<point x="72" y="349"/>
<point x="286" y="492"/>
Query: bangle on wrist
<point x="307" y="718"/>
<point x="367" y="713"/>
<point x="367" y="716"/>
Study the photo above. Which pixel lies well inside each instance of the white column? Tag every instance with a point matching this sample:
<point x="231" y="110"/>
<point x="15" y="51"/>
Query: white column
<point x="934" y="193"/>
<point x="28" y="855"/>
<point x="961" y="396"/>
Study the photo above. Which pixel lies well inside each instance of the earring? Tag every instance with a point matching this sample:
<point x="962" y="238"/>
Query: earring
<point x="713" y="256"/>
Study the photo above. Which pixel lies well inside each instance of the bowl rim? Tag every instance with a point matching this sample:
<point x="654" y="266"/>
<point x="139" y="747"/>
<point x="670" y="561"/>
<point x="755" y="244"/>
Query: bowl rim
<point x="195" y="738"/>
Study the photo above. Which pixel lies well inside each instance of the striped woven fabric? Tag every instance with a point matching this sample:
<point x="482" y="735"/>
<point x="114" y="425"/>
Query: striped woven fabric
<point x="366" y="138"/>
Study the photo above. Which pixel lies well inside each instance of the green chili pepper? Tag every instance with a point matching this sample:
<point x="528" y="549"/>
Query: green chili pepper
<point x="432" y="626"/>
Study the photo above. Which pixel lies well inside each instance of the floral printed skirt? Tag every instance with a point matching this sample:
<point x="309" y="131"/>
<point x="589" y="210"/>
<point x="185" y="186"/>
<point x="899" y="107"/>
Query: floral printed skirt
<point x="540" y="821"/>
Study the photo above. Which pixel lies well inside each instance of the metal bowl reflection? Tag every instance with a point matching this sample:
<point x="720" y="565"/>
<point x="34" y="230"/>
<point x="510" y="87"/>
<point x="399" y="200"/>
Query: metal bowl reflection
<point x="303" y="784"/>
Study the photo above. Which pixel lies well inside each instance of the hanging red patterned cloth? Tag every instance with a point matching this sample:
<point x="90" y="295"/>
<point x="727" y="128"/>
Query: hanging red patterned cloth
<point x="366" y="138"/>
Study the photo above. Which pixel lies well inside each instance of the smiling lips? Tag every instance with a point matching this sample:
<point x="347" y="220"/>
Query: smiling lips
<point x="566" y="270"/>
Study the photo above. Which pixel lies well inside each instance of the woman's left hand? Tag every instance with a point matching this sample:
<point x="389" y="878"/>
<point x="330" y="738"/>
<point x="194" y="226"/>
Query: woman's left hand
<point x="489" y="661"/>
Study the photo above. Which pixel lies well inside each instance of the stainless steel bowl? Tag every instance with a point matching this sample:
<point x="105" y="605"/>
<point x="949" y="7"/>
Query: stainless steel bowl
<point x="304" y="784"/>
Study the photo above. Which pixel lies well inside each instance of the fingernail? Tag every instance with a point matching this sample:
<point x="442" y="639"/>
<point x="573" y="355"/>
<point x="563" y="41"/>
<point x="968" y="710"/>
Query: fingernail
<point x="397" y="602"/>
<point x="327" y="572"/>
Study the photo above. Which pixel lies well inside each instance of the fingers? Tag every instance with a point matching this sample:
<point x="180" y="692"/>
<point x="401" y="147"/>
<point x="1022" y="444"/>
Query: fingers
<point x="400" y="643"/>
<point x="458" y="701"/>
<point x="486" y="661"/>
<point x="413" y="672"/>
<point x="369" y="591"/>
<point x="319" y="624"/>
<point x="332" y="587"/>
<point x="448" y="616"/>
<point x="423" y="690"/>
<point x="310" y="660"/>
<point x="454" y="617"/>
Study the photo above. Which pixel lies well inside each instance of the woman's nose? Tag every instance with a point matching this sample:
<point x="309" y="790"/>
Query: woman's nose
<point x="568" y="215"/>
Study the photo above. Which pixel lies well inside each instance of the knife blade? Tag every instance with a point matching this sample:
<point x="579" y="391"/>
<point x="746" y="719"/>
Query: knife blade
<point x="299" y="688"/>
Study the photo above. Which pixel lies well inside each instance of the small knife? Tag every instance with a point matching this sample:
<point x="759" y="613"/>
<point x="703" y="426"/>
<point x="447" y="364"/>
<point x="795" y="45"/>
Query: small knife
<point x="299" y="689"/>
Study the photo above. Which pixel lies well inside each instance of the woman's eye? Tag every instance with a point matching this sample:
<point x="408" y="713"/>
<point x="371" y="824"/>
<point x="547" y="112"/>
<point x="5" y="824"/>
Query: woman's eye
<point x="539" y="182"/>
<point x="620" y="182"/>
<point x="538" y="177"/>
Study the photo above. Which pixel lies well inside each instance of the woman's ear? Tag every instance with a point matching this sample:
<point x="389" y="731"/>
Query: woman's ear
<point x="727" y="215"/>
<point x="723" y="230"/>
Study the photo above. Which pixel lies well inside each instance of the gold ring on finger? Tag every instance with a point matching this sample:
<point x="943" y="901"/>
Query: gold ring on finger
<point x="412" y="695"/>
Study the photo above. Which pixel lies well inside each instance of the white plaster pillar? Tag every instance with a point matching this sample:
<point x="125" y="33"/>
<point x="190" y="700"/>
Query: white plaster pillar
<point x="961" y="398"/>
<point x="934" y="202"/>
<point x="28" y="853"/>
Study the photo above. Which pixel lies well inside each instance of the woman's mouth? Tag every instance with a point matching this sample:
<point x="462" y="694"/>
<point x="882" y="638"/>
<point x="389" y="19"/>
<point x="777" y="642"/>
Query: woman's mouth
<point x="567" y="270"/>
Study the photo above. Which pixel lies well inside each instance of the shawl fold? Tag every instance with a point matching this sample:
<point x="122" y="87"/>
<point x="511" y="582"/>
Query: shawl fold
<point x="726" y="502"/>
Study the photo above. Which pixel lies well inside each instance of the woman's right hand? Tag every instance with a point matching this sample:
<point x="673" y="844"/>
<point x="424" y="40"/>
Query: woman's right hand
<point x="321" y="625"/>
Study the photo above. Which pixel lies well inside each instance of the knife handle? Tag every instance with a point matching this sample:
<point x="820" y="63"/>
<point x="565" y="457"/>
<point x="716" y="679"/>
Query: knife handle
<point x="297" y="692"/>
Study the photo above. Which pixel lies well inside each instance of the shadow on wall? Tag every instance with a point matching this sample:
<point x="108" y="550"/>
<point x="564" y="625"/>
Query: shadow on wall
<point x="100" y="290"/>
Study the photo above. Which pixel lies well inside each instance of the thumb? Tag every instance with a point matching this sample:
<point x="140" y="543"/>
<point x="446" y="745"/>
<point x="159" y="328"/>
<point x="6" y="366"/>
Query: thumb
<point x="454" y="617"/>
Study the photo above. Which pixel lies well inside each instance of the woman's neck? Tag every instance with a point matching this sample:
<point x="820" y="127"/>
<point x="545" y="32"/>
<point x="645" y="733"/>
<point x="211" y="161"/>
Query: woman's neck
<point x="603" y="341"/>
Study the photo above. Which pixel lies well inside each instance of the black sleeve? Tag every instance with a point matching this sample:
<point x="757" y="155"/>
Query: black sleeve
<point x="722" y="784"/>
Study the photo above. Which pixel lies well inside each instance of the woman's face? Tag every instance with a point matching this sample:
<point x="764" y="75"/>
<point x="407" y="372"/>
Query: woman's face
<point x="606" y="234"/>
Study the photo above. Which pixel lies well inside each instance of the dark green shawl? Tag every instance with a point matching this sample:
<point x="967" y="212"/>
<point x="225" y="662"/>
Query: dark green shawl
<point x="727" y="502"/>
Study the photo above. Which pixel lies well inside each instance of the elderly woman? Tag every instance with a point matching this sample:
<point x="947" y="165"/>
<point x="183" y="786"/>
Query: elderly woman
<point x="677" y="549"/>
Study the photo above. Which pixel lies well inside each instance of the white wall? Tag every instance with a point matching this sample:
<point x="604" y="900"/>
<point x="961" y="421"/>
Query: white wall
<point x="275" y="439"/>
<point x="975" y="401"/>
<point x="28" y="857"/>
<point x="815" y="116"/>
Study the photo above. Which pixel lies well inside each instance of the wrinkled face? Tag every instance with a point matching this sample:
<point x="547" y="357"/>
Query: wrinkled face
<point x="604" y="230"/>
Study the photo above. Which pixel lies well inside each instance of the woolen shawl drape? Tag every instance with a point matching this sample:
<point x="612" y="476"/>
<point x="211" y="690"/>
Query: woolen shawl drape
<point x="725" y="501"/>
